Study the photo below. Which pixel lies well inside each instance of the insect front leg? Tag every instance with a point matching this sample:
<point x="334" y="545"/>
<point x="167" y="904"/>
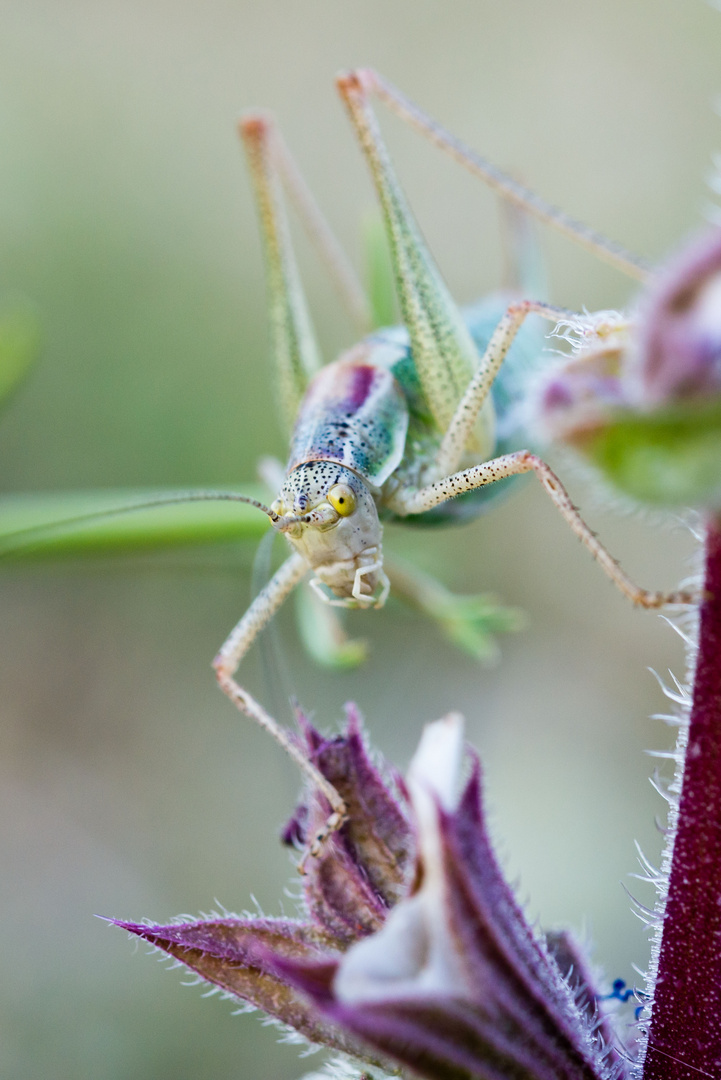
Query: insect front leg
<point x="226" y="664"/>
<point x="522" y="461"/>
<point x="459" y="431"/>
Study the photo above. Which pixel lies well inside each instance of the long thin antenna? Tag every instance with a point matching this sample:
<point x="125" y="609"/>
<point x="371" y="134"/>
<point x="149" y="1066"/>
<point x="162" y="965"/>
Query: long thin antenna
<point x="25" y="538"/>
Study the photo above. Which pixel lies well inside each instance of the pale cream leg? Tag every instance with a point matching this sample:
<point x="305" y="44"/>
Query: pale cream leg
<point x="523" y="461"/>
<point x="450" y="452"/>
<point x="226" y="664"/>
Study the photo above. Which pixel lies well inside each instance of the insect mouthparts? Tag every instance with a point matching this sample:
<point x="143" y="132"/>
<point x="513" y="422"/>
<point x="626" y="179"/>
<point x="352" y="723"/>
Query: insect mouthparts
<point x="284" y="522"/>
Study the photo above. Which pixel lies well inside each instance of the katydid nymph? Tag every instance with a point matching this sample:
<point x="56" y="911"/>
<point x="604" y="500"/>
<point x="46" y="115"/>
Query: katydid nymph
<point x="415" y="423"/>
<point x="402" y="423"/>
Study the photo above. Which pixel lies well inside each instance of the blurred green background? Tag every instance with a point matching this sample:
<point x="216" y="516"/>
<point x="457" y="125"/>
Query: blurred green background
<point x="128" y="786"/>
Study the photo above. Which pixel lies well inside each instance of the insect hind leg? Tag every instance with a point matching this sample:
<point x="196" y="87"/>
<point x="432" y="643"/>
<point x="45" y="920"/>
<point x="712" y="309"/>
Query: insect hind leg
<point x="504" y="184"/>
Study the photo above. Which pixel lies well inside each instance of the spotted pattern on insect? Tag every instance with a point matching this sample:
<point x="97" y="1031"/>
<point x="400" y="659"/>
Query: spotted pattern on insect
<point x="336" y="543"/>
<point x="388" y="426"/>
<point x="354" y="413"/>
<point x="309" y="484"/>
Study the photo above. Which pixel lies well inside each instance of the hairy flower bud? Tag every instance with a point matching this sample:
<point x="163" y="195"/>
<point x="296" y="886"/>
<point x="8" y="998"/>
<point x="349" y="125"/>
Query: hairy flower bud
<point x="678" y="349"/>
<point x="640" y="398"/>
<point x="412" y="950"/>
<point x="456" y="984"/>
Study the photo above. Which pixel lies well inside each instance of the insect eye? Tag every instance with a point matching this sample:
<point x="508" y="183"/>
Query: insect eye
<point x="342" y="499"/>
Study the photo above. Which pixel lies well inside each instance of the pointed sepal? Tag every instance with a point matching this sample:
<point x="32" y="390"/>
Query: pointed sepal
<point x="231" y="954"/>
<point x="362" y="869"/>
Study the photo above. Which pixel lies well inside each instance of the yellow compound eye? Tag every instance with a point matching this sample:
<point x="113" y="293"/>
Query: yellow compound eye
<point x="342" y="499"/>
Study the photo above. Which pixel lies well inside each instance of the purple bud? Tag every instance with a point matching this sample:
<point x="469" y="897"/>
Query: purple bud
<point x="413" y="949"/>
<point x="678" y="347"/>
<point x="456" y="983"/>
<point x="580" y="394"/>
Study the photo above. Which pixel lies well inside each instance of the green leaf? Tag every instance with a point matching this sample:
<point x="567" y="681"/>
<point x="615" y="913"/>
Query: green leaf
<point x="121" y="521"/>
<point x="670" y="458"/>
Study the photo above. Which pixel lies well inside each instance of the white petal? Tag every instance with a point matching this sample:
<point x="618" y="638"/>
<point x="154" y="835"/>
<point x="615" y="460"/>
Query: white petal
<point x="436" y="765"/>
<point x="413" y="953"/>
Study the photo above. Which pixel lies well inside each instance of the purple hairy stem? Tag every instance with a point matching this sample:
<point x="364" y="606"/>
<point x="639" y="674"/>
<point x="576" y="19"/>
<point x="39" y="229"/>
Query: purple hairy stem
<point x="685" y="1028"/>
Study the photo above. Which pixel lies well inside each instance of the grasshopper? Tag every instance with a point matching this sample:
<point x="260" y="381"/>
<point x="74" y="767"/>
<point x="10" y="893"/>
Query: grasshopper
<point x="402" y="426"/>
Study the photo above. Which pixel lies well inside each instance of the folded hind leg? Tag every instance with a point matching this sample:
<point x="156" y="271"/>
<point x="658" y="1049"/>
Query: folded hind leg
<point x="370" y="82"/>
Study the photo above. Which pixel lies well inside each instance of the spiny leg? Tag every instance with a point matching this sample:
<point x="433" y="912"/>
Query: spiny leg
<point x="523" y="461"/>
<point x="340" y="271"/>
<point x="455" y="384"/>
<point x="498" y="180"/>
<point x="226" y="664"/>
<point x="459" y="431"/>
<point x="293" y="341"/>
